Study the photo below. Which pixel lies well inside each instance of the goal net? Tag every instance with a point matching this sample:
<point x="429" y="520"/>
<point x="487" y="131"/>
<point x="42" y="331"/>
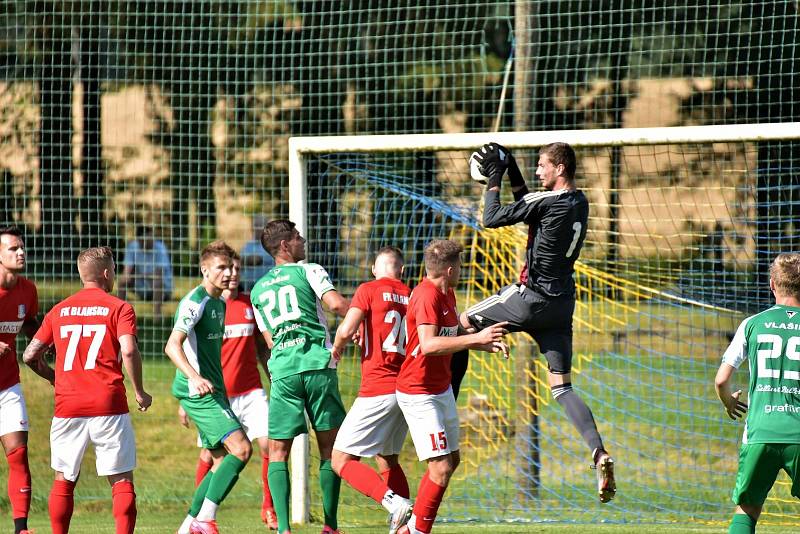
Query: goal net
<point x="683" y="222"/>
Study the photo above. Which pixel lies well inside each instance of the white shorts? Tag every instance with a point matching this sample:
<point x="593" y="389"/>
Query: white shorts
<point x="252" y="411"/>
<point x="111" y="435"/>
<point x="13" y="412"/>
<point x="374" y="425"/>
<point x="433" y="422"/>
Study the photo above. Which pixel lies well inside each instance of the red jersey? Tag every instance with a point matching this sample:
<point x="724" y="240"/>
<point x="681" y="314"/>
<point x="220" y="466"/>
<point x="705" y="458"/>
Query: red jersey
<point x="421" y="374"/>
<point x="85" y="329"/>
<point x="384" y="302"/>
<point x="17" y="305"/>
<point x="239" y="362"/>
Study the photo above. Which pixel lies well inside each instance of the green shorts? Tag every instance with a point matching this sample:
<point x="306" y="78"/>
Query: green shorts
<point x="759" y="465"/>
<point x="315" y="392"/>
<point x="213" y="418"/>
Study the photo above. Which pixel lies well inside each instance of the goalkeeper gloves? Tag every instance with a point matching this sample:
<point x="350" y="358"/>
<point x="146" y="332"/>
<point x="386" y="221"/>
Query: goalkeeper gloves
<point x="488" y="164"/>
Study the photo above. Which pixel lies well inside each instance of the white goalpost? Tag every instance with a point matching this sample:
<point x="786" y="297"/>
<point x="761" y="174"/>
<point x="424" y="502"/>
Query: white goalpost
<point x="301" y="149"/>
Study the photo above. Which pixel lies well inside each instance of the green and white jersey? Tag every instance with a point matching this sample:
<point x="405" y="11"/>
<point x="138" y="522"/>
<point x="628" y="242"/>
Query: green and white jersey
<point x="770" y="341"/>
<point x="287" y="304"/>
<point x="202" y="318"/>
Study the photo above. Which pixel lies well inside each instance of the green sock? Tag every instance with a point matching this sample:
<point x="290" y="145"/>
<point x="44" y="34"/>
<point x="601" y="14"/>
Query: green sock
<point x="330" y="484"/>
<point x="224" y="479"/>
<point x="279" y="486"/>
<point x="742" y="524"/>
<point x="200" y="494"/>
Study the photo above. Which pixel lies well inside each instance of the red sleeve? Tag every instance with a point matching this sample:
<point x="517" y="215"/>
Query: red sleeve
<point x="361" y="299"/>
<point x="33" y="309"/>
<point x="45" y="332"/>
<point x="126" y="321"/>
<point x="426" y="309"/>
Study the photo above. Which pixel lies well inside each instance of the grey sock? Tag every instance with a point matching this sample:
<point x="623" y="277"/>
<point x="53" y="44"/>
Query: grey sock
<point x="579" y="414"/>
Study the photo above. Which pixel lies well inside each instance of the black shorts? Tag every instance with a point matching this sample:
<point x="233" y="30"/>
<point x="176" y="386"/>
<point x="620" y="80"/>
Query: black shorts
<point x="547" y="319"/>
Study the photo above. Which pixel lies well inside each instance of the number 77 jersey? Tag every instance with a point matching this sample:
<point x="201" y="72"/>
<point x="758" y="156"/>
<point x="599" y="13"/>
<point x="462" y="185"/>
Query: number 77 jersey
<point x="770" y="341"/>
<point x="287" y="304"/>
<point x="85" y="329"/>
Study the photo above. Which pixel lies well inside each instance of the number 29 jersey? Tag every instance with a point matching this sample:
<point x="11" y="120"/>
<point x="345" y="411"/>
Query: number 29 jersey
<point x="85" y="329"/>
<point x="770" y="341"/>
<point x="287" y="304"/>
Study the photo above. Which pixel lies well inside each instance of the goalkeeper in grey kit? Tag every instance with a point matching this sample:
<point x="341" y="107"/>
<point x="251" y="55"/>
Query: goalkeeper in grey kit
<point x="543" y="301"/>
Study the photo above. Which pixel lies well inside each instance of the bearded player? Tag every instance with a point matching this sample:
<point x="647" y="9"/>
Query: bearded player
<point x="19" y="305"/>
<point x="92" y="331"/>
<point x="543" y="301"/>
<point x="374" y="426"/>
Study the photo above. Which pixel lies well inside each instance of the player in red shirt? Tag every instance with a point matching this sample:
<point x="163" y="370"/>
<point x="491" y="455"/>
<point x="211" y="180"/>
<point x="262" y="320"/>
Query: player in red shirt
<point x="424" y="392"/>
<point x="19" y="305"/>
<point x="374" y="426"/>
<point x="241" y="350"/>
<point x="92" y="332"/>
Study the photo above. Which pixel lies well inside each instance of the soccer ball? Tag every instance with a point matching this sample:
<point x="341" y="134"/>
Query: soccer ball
<point x="476" y="170"/>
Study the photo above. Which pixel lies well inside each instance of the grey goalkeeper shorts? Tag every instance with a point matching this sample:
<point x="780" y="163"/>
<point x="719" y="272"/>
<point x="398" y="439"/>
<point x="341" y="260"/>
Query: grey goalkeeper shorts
<point x="547" y="319"/>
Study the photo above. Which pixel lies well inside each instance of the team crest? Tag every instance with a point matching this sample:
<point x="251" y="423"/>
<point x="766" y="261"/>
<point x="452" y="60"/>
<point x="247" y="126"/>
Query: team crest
<point x="248" y="314"/>
<point x="790" y="313"/>
<point x="21" y="311"/>
<point x="213" y="314"/>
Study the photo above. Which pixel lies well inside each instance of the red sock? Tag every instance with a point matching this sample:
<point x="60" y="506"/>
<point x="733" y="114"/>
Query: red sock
<point x="365" y="480"/>
<point x="396" y="479"/>
<point x="267" y="501"/>
<point x="60" y="505"/>
<point x="19" y="482"/>
<point x="124" y="506"/>
<point x="429" y="497"/>
<point x="203" y="468"/>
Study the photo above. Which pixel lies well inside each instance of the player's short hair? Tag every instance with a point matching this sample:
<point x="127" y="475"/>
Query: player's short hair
<point x="785" y="274"/>
<point x="11" y="230"/>
<point x="235" y="256"/>
<point x="217" y="248"/>
<point x="395" y="252"/>
<point x="274" y="232"/>
<point x="97" y="258"/>
<point x="441" y="254"/>
<point x="561" y="154"/>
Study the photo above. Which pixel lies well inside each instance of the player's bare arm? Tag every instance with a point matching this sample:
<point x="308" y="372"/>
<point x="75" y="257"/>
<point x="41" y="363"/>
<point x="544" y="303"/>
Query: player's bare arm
<point x="335" y="302"/>
<point x="722" y="383"/>
<point x="174" y="350"/>
<point x="34" y="357"/>
<point x="346" y="331"/>
<point x="262" y="352"/>
<point x="132" y="360"/>
<point x="490" y="339"/>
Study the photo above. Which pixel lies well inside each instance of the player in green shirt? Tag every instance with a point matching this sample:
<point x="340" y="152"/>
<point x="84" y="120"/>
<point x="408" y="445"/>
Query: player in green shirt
<point x="770" y="342"/>
<point x="288" y="307"/>
<point x="194" y="347"/>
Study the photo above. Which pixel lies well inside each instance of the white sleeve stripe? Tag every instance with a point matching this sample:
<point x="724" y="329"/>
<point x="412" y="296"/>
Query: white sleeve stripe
<point x="736" y="353"/>
<point x="541" y="195"/>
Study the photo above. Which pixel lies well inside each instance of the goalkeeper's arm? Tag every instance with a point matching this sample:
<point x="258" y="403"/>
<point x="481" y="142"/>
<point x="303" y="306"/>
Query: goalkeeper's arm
<point x="515" y="179"/>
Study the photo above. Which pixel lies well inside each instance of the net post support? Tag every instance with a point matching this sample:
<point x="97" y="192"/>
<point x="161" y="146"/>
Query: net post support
<point x="301" y="495"/>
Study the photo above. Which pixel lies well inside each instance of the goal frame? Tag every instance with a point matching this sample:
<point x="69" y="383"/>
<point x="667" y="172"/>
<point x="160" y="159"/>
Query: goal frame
<point x="299" y="147"/>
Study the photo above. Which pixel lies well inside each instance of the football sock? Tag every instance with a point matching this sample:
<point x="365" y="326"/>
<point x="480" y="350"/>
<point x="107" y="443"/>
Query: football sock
<point x="208" y="511"/>
<point x="60" y="505"/>
<point x="224" y="479"/>
<point x="458" y="368"/>
<point x="579" y="414"/>
<point x="203" y="468"/>
<point x="742" y="524"/>
<point x="429" y="497"/>
<point x="396" y="480"/>
<point x="19" y="485"/>
<point x="267" y="500"/>
<point x="362" y="478"/>
<point x="200" y="494"/>
<point x="184" y="528"/>
<point x="330" y="483"/>
<point x="124" y="506"/>
<point x="279" y="486"/>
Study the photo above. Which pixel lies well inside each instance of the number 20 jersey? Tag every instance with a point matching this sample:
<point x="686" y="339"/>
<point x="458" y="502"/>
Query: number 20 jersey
<point x="287" y="304"/>
<point x="770" y="341"/>
<point x="85" y="329"/>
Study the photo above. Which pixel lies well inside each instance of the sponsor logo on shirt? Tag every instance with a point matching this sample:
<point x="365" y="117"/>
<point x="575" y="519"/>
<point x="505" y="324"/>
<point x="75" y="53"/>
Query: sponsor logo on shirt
<point x="448" y="331"/>
<point x="791" y="408"/>
<point x="21" y="311"/>
<point x="10" y="327"/>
